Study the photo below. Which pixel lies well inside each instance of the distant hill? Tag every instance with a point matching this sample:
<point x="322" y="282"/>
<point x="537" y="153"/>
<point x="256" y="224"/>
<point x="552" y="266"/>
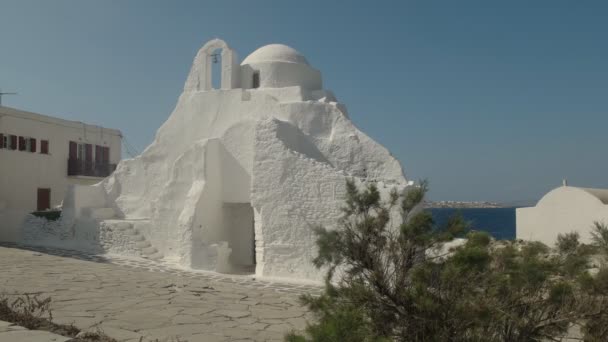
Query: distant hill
<point x="478" y="204"/>
<point x="521" y="203"/>
<point x="461" y="204"/>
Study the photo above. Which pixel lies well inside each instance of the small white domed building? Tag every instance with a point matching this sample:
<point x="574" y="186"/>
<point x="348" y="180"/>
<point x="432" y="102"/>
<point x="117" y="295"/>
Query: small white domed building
<point x="563" y="210"/>
<point x="278" y="66"/>
<point x="236" y="177"/>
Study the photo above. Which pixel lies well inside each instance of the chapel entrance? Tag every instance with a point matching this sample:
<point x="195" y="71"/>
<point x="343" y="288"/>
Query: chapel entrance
<point x="239" y="221"/>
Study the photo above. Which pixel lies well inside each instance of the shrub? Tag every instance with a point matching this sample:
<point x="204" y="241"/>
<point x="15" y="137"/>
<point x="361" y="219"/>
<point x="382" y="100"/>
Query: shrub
<point x="398" y="281"/>
<point x="50" y="215"/>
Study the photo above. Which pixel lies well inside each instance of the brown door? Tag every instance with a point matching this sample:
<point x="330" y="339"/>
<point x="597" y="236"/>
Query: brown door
<point x="73" y="150"/>
<point x="44" y="199"/>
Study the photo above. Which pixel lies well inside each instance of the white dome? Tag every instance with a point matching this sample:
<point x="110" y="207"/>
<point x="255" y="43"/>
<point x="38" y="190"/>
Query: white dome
<point x="275" y="53"/>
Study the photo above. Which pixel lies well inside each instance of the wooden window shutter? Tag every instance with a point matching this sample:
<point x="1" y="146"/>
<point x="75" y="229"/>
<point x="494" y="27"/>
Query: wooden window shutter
<point x="106" y="155"/>
<point x="2" y="141"/>
<point x="13" y="140"/>
<point x="88" y="152"/>
<point x="73" y="150"/>
<point x="32" y="145"/>
<point x="44" y="146"/>
<point x="21" y="144"/>
<point x="98" y="154"/>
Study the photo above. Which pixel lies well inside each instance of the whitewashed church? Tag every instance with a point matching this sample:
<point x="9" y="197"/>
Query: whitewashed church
<point x="236" y="177"/>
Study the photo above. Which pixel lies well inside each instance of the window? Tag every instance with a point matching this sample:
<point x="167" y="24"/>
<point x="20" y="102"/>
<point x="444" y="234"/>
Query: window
<point x="44" y="146"/>
<point x="81" y="151"/>
<point x="106" y="155"/>
<point x="29" y="144"/>
<point x="98" y="154"/>
<point x="12" y="142"/>
<point x="22" y="144"/>
<point x="102" y="155"/>
<point x="3" y="141"/>
<point x="256" y="80"/>
<point x="85" y="152"/>
<point x="32" y="146"/>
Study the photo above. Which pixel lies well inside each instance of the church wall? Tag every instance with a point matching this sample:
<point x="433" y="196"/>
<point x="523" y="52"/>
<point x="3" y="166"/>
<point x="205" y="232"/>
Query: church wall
<point x="286" y="94"/>
<point x="561" y="211"/>
<point x="281" y="74"/>
<point x="238" y="224"/>
<point x="292" y="193"/>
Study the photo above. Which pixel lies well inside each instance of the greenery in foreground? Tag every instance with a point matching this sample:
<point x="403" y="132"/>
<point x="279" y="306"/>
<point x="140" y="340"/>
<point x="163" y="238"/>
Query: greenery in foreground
<point x="34" y="313"/>
<point x="400" y="281"/>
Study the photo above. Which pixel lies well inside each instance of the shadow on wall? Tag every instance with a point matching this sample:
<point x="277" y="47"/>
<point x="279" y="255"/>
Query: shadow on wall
<point x="10" y="223"/>
<point x="40" y="231"/>
<point x="296" y="141"/>
<point x="223" y="237"/>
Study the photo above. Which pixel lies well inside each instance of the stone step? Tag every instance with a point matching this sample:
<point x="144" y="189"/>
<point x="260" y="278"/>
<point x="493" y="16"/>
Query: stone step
<point x="131" y="231"/>
<point x="137" y="238"/>
<point x="155" y="256"/>
<point x="99" y="213"/>
<point x="142" y="244"/>
<point x="122" y="225"/>
<point x="149" y="250"/>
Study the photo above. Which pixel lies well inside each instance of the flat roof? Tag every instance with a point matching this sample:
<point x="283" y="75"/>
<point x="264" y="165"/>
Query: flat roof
<point x="22" y="114"/>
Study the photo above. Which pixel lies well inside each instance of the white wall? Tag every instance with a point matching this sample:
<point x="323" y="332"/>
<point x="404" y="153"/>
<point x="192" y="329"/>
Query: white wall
<point x="563" y="210"/>
<point x="280" y="74"/>
<point x="22" y="172"/>
<point x="238" y="225"/>
<point x="293" y="190"/>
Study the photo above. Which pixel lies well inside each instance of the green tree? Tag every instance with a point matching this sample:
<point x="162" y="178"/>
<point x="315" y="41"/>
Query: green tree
<point x="396" y="279"/>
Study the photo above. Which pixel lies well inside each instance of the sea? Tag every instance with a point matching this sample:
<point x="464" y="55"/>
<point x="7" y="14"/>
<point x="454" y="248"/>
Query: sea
<point x="498" y="222"/>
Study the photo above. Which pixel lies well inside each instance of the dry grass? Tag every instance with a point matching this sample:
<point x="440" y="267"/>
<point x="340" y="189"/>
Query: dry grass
<point x="34" y="313"/>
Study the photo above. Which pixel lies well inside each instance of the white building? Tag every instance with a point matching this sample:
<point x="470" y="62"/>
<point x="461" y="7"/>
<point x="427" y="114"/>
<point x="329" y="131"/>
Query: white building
<point x="41" y="155"/>
<point x="236" y="177"/>
<point x="563" y="210"/>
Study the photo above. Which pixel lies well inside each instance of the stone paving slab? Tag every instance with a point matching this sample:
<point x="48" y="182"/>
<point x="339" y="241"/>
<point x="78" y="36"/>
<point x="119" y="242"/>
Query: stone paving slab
<point x="129" y="299"/>
<point x="12" y="333"/>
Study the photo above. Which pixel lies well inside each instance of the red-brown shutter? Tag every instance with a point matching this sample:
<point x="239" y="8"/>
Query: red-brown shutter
<point x="73" y="150"/>
<point x="21" y="144"/>
<point x="106" y="155"/>
<point x="88" y="152"/>
<point x="2" y="141"/>
<point x="13" y="139"/>
<point x="98" y="154"/>
<point x="32" y="145"/>
<point x="44" y="146"/>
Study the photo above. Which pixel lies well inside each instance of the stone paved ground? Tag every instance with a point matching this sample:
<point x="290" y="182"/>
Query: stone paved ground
<point x="131" y="298"/>
<point x="11" y="333"/>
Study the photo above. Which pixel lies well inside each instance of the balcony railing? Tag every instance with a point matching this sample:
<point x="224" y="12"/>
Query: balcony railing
<point x="80" y="167"/>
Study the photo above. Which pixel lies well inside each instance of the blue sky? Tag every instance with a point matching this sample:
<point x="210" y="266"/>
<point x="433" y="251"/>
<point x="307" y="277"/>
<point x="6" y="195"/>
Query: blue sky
<point x="487" y="100"/>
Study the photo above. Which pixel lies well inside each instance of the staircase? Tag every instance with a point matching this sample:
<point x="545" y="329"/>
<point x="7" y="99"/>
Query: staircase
<point x="121" y="237"/>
